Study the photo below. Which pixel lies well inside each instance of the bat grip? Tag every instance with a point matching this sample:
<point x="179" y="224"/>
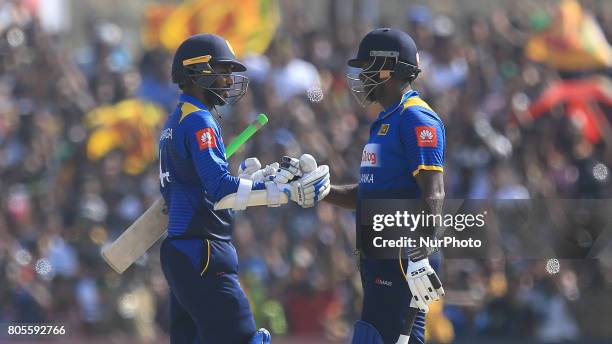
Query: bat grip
<point x="405" y="332"/>
<point x="245" y="135"/>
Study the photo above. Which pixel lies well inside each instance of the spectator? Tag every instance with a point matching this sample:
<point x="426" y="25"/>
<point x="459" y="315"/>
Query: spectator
<point x="59" y="208"/>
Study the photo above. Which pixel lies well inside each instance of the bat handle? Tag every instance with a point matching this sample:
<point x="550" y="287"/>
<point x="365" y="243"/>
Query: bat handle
<point x="405" y="332"/>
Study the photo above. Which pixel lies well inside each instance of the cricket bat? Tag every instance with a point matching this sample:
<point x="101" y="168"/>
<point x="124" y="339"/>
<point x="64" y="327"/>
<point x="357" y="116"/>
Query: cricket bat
<point x="153" y="224"/>
<point x="137" y="239"/>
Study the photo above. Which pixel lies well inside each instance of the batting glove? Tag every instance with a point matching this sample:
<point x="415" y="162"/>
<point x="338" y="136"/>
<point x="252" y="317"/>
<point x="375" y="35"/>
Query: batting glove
<point x="309" y="189"/>
<point x="248" y="167"/>
<point x="292" y="168"/>
<point x="251" y="169"/>
<point x="424" y="284"/>
<point x="289" y="169"/>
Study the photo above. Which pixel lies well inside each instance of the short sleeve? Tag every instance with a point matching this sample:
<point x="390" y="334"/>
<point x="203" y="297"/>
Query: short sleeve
<point x="423" y="138"/>
<point x="203" y="140"/>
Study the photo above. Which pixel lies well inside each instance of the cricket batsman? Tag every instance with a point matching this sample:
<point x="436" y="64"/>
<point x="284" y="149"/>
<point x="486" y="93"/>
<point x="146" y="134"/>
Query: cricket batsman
<point x="403" y="159"/>
<point x="198" y="258"/>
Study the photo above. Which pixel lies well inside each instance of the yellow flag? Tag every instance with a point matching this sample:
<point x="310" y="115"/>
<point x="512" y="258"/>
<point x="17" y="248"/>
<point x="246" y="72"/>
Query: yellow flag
<point x="573" y="42"/>
<point x="248" y="24"/>
<point x="154" y="17"/>
<point x="129" y="126"/>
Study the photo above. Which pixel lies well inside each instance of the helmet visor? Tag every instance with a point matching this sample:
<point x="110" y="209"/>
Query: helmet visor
<point x="231" y="93"/>
<point x="225" y="87"/>
<point x="373" y="73"/>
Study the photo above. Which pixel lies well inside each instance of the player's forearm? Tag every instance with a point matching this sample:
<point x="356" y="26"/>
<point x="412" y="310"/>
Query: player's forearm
<point x="432" y="202"/>
<point x="344" y="196"/>
<point x="431" y="184"/>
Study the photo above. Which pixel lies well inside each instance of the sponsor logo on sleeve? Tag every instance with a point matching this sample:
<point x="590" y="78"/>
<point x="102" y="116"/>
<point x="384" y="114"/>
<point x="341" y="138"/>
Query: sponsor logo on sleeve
<point x="371" y="155"/>
<point x="426" y="136"/>
<point x="206" y="138"/>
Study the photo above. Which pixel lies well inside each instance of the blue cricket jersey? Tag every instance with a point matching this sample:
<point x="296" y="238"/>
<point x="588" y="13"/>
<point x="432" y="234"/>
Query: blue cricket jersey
<point x="193" y="173"/>
<point x="406" y="138"/>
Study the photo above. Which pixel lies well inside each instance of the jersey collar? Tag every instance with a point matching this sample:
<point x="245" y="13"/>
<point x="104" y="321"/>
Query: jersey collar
<point x="397" y="106"/>
<point x="185" y="98"/>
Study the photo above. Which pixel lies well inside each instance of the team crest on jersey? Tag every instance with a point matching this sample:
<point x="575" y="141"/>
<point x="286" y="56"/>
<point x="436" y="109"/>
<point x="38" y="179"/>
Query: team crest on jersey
<point x="384" y="129"/>
<point x="206" y="138"/>
<point x="426" y="136"/>
<point x="371" y="155"/>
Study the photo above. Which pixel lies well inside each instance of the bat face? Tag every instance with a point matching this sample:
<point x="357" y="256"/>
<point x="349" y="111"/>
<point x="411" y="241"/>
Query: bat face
<point x="138" y="238"/>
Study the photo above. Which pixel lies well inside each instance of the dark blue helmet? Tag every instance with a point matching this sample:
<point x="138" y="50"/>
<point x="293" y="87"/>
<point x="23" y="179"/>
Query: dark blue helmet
<point x="386" y="40"/>
<point x="194" y="62"/>
<point x="383" y="53"/>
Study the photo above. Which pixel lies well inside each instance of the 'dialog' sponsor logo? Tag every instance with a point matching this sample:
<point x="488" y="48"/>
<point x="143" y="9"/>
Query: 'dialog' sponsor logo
<point x="370" y="156"/>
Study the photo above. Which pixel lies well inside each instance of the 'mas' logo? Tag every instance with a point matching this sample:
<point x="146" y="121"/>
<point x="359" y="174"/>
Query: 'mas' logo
<point x="370" y="156"/>
<point x="382" y="282"/>
<point x="426" y="136"/>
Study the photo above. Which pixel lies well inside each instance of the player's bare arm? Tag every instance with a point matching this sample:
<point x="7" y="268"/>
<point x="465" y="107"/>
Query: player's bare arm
<point x="344" y="196"/>
<point x="431" y="184"/>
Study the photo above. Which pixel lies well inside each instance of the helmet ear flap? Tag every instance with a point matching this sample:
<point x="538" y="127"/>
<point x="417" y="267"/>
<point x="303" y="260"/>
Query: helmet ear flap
<point x="182" y="78"/>
<point x="179" y="76"/>
<point x="200" y="74"/>
<point x="405" y="71"/>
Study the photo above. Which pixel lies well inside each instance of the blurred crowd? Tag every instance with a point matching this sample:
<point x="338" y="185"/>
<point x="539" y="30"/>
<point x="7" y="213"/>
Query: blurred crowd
<point x="58" y="207"/>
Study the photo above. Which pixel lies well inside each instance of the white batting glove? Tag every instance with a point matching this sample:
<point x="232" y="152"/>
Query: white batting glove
<point x="424" y="284"/>
<point x="309" y="189"/>
<point x="266" y="174"/>
<point x="289" y="169"/>
<point x="292" y="168"/>
<point x="251" y="169"/>
<point x="248" y="167"/>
